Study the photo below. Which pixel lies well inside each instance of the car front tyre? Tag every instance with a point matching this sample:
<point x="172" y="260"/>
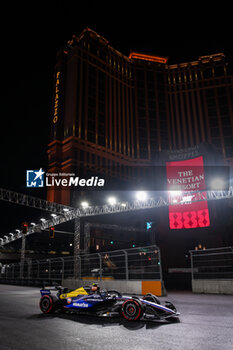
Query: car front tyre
<point x="131" y="310"/>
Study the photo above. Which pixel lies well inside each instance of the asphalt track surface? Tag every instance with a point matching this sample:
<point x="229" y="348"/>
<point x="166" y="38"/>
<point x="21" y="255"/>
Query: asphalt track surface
<point x="206" y="323"/>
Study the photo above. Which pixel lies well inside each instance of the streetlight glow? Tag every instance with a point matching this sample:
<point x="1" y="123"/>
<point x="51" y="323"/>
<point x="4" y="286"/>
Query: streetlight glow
<point x="141" y="196"/>
<point x="85" y="205"/>
<point x="112" y="200"/>
<point x="217" y="184"/>
<point x="175" y="193"/>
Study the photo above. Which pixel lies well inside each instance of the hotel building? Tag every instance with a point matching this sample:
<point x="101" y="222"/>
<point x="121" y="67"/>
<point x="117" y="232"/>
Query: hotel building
<point x="112" y="111"/>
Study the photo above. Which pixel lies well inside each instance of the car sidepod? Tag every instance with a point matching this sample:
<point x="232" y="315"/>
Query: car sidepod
<point x="91" y="302"/>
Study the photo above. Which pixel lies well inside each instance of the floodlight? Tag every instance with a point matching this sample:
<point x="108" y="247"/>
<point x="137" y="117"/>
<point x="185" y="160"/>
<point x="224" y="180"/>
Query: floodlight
<point x="141" y="196"/>
<point x="217" y="184"/>
<point x="85" y="205"/>
<point x="112" y="200"/>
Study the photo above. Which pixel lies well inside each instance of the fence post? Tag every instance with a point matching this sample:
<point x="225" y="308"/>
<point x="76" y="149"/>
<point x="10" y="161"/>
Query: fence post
<point x="63" y="268"/>
<point x="22" y="256"/>
<point x="100" y="266"/>
<point x="126" y="265"/>
<point x="87" y="232"/>
<point x="29" y="262"/>
<point x="49" y="261"/>
<point x="38" y="269"/>
<point x="191" y="260"/>
<point x="80" y="268"/>
<point x="77" y="229"/>
<point x="160" y="264"/>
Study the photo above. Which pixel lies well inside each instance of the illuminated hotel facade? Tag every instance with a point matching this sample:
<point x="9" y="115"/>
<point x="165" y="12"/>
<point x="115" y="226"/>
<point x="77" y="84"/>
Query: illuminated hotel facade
<point x="111" y="111"/>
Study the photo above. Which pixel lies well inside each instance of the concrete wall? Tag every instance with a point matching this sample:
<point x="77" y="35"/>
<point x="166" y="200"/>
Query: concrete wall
<point x="137" y="287"/>
<point x="212" y="286"/>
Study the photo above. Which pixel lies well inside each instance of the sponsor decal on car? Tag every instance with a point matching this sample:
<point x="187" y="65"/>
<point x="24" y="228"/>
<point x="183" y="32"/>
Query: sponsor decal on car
<point x="80" y="304"/>
<point x="44" y="292"/>
<point x="95" y="300"/>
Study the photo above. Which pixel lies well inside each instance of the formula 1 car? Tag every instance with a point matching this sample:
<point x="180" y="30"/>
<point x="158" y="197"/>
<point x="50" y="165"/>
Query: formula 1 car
<point x="105" y="303"/>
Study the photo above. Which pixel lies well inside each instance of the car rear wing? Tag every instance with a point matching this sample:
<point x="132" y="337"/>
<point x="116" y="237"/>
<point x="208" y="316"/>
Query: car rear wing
<point x="45" y="292"/>
<point x="47" y="289"/>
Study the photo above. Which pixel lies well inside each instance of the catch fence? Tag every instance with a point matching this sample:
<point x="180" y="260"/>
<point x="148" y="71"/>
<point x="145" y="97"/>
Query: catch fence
<point x="212" y="263"/>
<point x="142" y="263"/>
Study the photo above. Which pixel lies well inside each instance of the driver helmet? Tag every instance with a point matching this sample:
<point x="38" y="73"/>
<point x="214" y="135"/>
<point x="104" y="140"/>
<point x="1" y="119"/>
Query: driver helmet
<point x="95" y="287"/>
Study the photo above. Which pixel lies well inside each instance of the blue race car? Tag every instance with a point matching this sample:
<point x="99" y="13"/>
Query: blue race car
<point x="106" y="303"/>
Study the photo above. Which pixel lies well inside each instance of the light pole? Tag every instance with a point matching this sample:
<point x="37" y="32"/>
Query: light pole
<point x="22" y="255"/>
<point x="77" y="228"/>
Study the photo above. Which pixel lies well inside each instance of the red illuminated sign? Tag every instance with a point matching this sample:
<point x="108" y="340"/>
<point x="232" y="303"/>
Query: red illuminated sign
<point x="184" y="180"/>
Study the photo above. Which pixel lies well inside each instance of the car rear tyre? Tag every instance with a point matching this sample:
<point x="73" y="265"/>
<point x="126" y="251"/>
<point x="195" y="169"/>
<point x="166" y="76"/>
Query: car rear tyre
<point x="47" y="304"/>
<point x="132" y="310"/>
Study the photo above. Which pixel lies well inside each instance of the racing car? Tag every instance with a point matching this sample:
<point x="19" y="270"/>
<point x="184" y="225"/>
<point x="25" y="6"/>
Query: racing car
<point x="106" y="303"/>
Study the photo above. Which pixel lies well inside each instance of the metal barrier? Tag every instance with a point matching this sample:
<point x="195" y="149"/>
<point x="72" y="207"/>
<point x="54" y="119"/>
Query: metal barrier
<point x="129" y="264"/>
<point x="212" y="264"/>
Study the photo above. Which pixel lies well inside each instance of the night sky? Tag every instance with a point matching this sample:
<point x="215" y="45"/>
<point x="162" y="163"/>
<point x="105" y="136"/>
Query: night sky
<point x="31" y="35"/>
